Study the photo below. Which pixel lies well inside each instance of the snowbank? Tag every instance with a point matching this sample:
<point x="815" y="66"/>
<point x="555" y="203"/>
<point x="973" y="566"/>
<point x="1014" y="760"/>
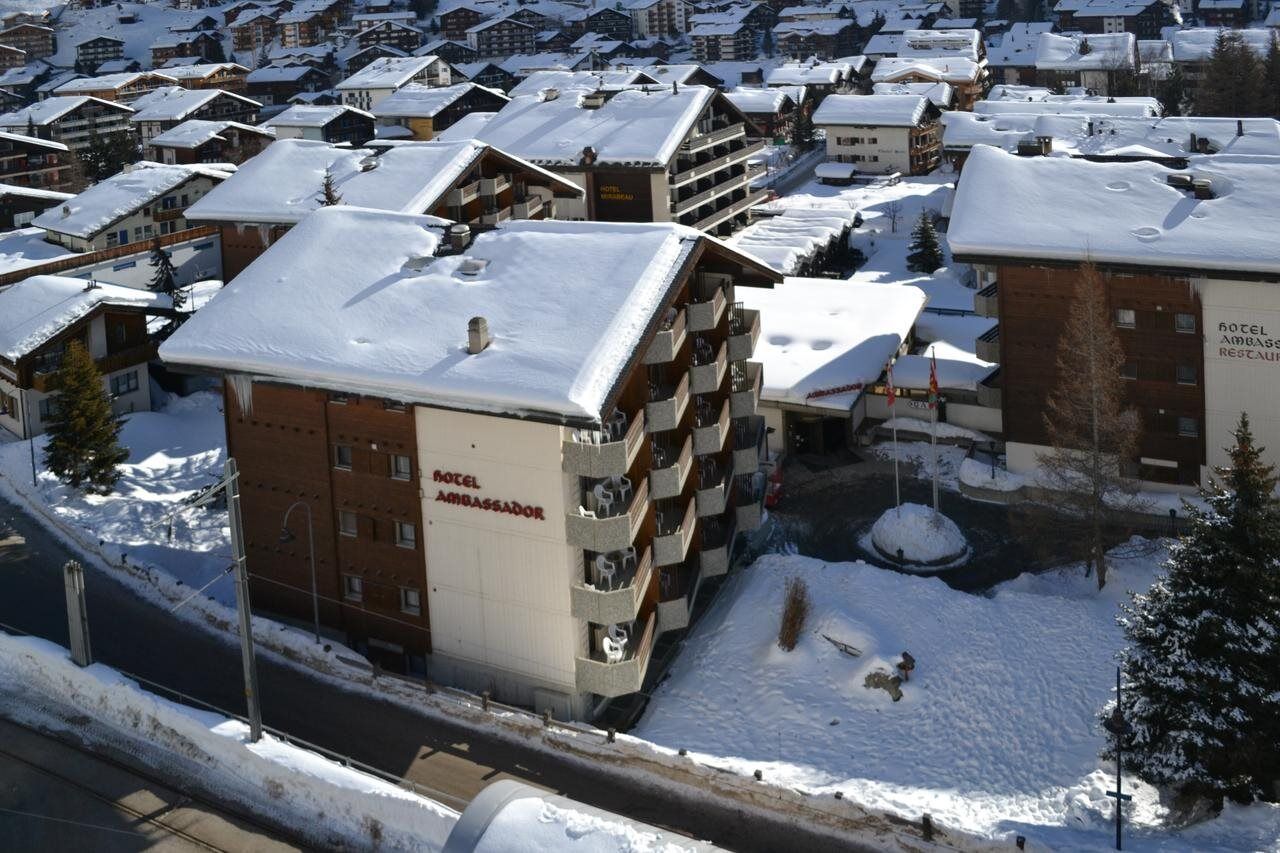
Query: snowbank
<point x="919" y="534"/>
<point x="995" y="733"/>
<point x="329" y="804"/>
<point x="945" y="430"/>
<point x="978" y="475"/>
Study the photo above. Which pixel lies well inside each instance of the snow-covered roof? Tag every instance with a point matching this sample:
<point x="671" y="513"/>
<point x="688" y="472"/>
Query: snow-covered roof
<point x="1137" y="106"/>
<point x="279" y="73"/>
<point x="752" y="99"/>
<point x="467" y="127"/>
<point x="1018" y="47"/>
<point x="110" y="81"/>
<point x="312" y="115"/>
<point x="282" y="184"/>
<point x="522" y="64"/>
<point x="389" y="72"/>
<point x="786" y="241"/>
<point x="195" y="132"/>
<point x="1196" y="45"/>
<point x="813" y="27"/>
<point x="822" y="74"/>
<point x="38" y="308"/>
<point x="36" y="141"/>
<point x="1112" y="51"/>
<point x="119" y="195"/>
<point x="939" y="94"/>
<point x="32" y="192"/>
<point x="1102" y="135"/>
<point x="946" y="69"/>
<point x="965" y="44"/>
<point x="353" y="299"/>
<point x="819" y="335"/>
<point x="957" y="368"/>
<point x="200" y="70"/>
<point x="1124" y="213"/>
<point x="51" y="109"/>
<point x="872" y="110"/>
<point x="883" y="44"/>
<point x="642" y="128"/>
<point x="174" y="103"/>
<point x="563" y="80"/>
<point x="418" y="101"/>
<point x="1104" y="8"/>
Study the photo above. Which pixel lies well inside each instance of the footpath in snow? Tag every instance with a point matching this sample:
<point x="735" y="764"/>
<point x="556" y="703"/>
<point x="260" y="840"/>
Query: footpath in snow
<point x="996" y="732"/>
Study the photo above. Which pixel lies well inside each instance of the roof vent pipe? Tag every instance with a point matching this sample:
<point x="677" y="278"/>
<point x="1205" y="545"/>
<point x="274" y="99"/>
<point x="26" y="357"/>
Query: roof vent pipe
<point x="1202" y="188"/>
<point x="1195" y="144"/>
<point x="477" y="335"/>
<point x="459" y="236"/>
<point x="1091" y="127"/>
<point x="675" y="87"/>
<point x="1239" y="127"/>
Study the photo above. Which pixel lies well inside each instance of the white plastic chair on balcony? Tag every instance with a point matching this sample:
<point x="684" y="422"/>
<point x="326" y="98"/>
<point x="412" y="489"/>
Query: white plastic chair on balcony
<point x="618" y="425"/>
<point x="613" y="651"/>
<point x="628" y="559"/>
<point x="621" y="488"/>
<point x="606" y="571"/>
<point x="618" y="634"/>
<point x="604" y="500"/>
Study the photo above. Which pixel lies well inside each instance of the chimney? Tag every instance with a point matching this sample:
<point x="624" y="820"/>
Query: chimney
<point x="1195" y="144"/>
<point x="477" y="335"/>
<point x="675" y="87"/>
<point x="588" y="156"/>
<point x="1091" y="127"/>
<point x="1239" y="127"/>
<point x="549" y="94"/>
<point x="1202" y="188"/>
<point x="459" y="236"/>
<point x="1046" y="144"/>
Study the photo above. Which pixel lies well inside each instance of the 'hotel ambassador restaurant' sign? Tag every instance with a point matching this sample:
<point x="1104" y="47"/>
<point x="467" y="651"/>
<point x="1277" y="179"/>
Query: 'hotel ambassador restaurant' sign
<point x="622" y="196"/>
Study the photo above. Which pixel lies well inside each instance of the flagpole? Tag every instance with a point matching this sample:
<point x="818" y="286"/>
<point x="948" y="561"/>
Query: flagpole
<point x="893" y="419"/>
<point x="933" y="405"/>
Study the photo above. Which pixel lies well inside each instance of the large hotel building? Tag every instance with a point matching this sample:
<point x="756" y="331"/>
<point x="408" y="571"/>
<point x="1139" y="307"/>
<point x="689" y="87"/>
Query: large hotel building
<point x="523" y="450"/>
<point x="1190" y="261"/>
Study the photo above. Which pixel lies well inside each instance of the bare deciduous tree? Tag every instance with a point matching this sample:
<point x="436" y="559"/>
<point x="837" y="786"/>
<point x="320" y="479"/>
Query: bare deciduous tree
<point x="893" y="213"/>
<point x="1093" y="433"/>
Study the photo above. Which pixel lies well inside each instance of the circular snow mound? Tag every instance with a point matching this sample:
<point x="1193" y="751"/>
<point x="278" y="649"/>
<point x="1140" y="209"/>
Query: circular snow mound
<point x="925" y="537"/>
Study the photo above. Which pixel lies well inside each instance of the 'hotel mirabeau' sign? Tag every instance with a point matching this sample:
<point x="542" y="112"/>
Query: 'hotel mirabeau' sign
<point x="468" y="481"/>
<point x="1248" y="341"/>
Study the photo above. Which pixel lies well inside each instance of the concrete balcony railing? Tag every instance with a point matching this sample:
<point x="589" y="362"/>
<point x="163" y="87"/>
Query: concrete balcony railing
<point x="463" y="195"/>
<point x="496" y="216"/>
<point x="680" y="206"/>
<point x="705" y="313"/>
<point x="744" y="332"/>
<point x="665" y="410"/>
<point x="595" y="674"/>
<point x="709" y="437"/>
<point x="715" y="484"/>
<point x="989" y="391"/>
<point x="714" y="219"/>
<point x="748" y="442"/>
<point x="670" y="470"/>
<point x="987" y="346"/>
<point x="603" y="534"/>
<point x="717" y="545"/>
<point x="703" y="141"/>
<point x="744" y="398"/>
<point x="673" y="537"/>
<point x="715" y="164"/>
<point x="610" y="605"/>
<point x="667" y="342"/>
<point x="492" y="186"/>
<point x="706" y="376"/>
<point x="603" y="453"/>
<point x="749" y="497"/>
<point x="676" y="611"/>
<point x="986" y="302"/>
<point x="528" y="208"/>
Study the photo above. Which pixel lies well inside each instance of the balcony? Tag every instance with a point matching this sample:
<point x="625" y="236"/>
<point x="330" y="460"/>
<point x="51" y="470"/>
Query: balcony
<point x="749" y="498"/>
<point x="671" y="467"/>
<point x="463" y="195"/>
<point x="989" y="391"/>
<point x="748" y="443"/>
<point x="46" y="367"/>
<point x="495" y="216"/>
<point x="706" y="309"/>
<point x="490" y="187"/>
<point x="715" y="164"/>
<point x="987" y="347"/>
<point x="702" y="141"/>
<point x="528" y="208"/>
<point x="715" y="482"/>
<point x="750" y="200"/>
<point x="594" y="530"/>
<point x="985" y="302"/>
<point x="674" y="533"/>
<point x="744" y="332"/>
<point x="668" y="340"/>
<point x="744" y="398"/>
<point x="708" y="370"/>
<point x="666" y="406"/>
<point x="607" y="452"/>
<point x="680" y="591"/>
<point x="608" y="602"/>
<point x="710" y="430"/>
<point x="596" y="674"/>
<point x="679" y="206"/>
<point x="717" y="545"/>
<point x="168" y="214"/>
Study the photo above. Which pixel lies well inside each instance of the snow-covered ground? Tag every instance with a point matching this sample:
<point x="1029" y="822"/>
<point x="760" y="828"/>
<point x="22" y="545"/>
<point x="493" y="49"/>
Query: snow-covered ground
<point x="996" y="733"/>
<point x="919" y="534"/>
<point x="334" y="806"/>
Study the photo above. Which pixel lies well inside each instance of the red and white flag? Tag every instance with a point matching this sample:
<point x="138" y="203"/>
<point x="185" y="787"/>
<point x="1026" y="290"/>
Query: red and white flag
<point x="888" y="390"/>
<point x="933" y="380"/>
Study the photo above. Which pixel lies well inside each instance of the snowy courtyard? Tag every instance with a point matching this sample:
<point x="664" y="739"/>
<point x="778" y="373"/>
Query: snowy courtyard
<point x="996" y="731"/>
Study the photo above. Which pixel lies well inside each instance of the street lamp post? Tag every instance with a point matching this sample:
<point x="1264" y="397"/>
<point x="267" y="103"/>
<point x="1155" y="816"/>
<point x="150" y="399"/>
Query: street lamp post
<point x="31" y="445"/>
<point x="286" y="536"/>
<point x="1119" y="728"/>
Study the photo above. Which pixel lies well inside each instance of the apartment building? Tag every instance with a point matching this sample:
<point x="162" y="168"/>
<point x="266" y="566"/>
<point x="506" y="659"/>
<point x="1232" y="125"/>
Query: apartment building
<point x="370" y="85"/>
<point x="94" y="51"/>
<point x="825" y="38"/>
<point x="186" y="45"/>
<point x="1091" y="62"/>
<point x="278" y="84"/>
<point x="35" y="40"/>
<point x="124" y="88"/>
<point x="165" y="109"/>
<point x="715" y="42"/>
<point x="505" y="497"/>
<point x="502" y="37"/>
<point x="20" y="205"/>
<point x="643" y="154"/>
<point x="300" y="27"/>
<point x="27" y="161"/>
<point x="1191" y="277"/>
<point x="881" y="134"/>
<point x="658" y="18"/>
<point x="1143" y="18"/>
<point x="43" y="315"/>
<point x="467" y="181"/>
<point x="391" y="34"/>
<point x="253" y="30"/>
<point x="73" y="121"/>
<point x="455" y="22"/>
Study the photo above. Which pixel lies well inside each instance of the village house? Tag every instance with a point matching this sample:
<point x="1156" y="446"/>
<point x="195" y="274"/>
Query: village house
<point x="502" y="37"/>
<point x="278" y="84"/>
<point x="1143" y="18"/>
<point x="202" y="45"/>
<point x="94" y="51"/>
<point x="34" y="40"/>
<point x="19" y="205"/>
<point x="825" y="38"/>
<point x="73" y="121"/>
<point x="228" y="76"/>
<point x="27" y="161"/>
<point x="391" y="34"/>
<point x="455" y="22"/>
<point x="770" y="111"/>
<point x="123" y="88"/>
<point x="424" y="111"/>
<point x="202" y="141"/>
<point x="252" y="31"/>
<point x="370" y="85"/>
<point x="336" y="123"/>
<point x="1091" y="62"/>
<point x="881" y="134"/>
<point x="165" y="109"/>
<point x="530" y="537"/>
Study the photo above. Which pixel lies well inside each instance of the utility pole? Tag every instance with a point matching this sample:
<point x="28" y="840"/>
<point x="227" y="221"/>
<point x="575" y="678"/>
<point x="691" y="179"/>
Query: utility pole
<point x="1117" y="725"/>
<point x="231" y="482"/>
<point x="77" y="615"/>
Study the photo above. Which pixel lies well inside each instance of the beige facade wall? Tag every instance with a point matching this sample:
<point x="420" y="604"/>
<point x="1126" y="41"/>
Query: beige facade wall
<point x="889" y="152"/>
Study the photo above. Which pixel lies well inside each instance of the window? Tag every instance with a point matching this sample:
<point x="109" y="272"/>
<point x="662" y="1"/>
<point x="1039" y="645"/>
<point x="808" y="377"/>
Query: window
<point x="352" y="588"/>
<point x="871" y="140"/>
<point x="1129" y="370"/>
<point x="342" y="456"/>
<point x="125" y="383"/>
<point x="169" y="202"/>
<point x="410" y="601"/>
<point x="401" y="467"/>
<point x="1185" y="323"/>
<point x="48" y="408"/>
<point x="348" y="523"/>
<point x="393" y="406"/>
<point x="1126" y="318"/>
<point x="339" y="399"/>
<point x="127" y="265"/>
<point x="1188" y="427"/>
<point x="406" y="534"/>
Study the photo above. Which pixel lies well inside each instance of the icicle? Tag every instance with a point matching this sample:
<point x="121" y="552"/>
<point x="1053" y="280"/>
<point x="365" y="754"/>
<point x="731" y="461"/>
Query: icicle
<point x="264" y="234"/>
<point x="239" y="229"/>
<point x="242" y="385"/>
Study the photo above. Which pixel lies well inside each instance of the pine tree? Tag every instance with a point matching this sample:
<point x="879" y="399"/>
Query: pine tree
<point x="329" y="191"/>
<point x="83" y="449"/>
<point x="31" y="127"/>
<point x="1093" y="434"/>
<point x="1202" y="664"/>
<point x="802" y="132"/>
<point x="1233" y="83"/>
<point x="1172" y="92"/>
<point x="925" y="254"/>
<point x="164" y="279"/>
<point x="264" y="55"/>
<point x="766" y="44"/>
<point x="1271" y="71"/>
